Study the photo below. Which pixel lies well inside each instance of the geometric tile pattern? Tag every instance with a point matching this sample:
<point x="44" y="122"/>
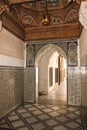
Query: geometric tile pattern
<point x="42" y="117"/>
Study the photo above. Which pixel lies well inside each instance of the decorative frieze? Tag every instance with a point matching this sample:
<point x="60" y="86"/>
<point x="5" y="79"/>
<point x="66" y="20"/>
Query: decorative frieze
<point x="30" y="55"/>
<point x="29" y="20"/>
<point x="72" y="54"/>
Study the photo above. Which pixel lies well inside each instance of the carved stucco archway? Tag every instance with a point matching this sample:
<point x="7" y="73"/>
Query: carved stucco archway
<point x="42" y="52"/>
<point x="46" y="48"/>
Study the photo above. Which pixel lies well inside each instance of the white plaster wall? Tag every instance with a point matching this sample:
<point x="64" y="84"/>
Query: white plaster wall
<point x="83" y="47"/>
<point x="11" y="49"/>
<point x="43" y="74"/>
<point x="10" y="61"/>
<point x="83" y="64"/>
<point x="50" y="59"/>
<point x="53" y="62"/>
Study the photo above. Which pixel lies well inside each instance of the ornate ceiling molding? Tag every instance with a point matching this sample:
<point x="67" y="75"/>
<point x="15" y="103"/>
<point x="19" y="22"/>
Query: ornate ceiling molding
<point x="19" y="1"/>
<point x="24" y="1"/>
<point x="27" y="25"/>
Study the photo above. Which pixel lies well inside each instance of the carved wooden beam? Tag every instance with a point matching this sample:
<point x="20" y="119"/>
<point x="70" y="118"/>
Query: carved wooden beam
<point x="12" y="25"/>
<point x="20" y="1"/>
<point x="66" y="31"/>
<point x="24" y="1"/>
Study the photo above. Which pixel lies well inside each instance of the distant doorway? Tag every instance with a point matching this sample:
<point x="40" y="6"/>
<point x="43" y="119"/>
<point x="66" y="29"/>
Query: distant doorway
<point x="51" y="75"/>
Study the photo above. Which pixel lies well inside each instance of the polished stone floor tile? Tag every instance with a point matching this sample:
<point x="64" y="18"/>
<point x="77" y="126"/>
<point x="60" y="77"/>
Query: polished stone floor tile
<point x="60" y="128"/>
<point x="38" y="112"/>
<point x="26" y="115"/>
<point x="13" y="118"/>
<point x="32" y="109"/>
<point x="4" y="126"/>
<point x="24" y="128"/>
<point x="47" y="110"/>
<point x="17" y="124"/>
<point x="22" y="110"/>
<point x="31" y="120"/>
<point x="43" y="117"/>
<point x="46" y="117"/>
<point x="54" y="114"/>
<point x="38" y="126"/>
<point x="71" y="109"/>
<point x="40" y="106"/>
<point x="62" y="119"/>
<point x="12" y="114"/>
<point x="56" y="108"/>
<point x="72" y="125"/>
<point x="71" y="115"/>
<point x="63" y="111"/>
<point x="51" y="122"/>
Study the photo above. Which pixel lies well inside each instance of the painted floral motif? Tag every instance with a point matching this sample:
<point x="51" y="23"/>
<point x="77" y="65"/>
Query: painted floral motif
<point x="72" y="54"/>
<point x="29" y="20"/>
<point x="3" y="8"/>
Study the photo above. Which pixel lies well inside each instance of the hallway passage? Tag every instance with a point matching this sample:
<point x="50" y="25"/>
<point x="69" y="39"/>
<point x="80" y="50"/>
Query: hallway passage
<point x="57" y="97"/>
<point x="42" y="117"/>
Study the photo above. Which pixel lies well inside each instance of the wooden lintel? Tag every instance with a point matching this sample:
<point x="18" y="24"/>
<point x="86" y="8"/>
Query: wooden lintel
<point x="12" y="25"/>
<point x="56" y="32"/>
<point x="19" y="1"/>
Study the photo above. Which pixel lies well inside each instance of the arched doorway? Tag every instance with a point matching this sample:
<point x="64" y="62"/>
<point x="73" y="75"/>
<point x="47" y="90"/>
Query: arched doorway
<point x="51" y="71"/>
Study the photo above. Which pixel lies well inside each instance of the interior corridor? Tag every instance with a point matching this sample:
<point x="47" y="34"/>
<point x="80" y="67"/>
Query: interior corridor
<point x="58" y="96"/>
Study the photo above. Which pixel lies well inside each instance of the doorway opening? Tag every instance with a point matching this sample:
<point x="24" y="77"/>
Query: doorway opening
<point x="51" y="75"/>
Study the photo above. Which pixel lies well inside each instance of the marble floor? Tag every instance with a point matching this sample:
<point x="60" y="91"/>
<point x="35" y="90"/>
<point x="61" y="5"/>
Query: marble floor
<point x="51" y="113"/>
<point x="57" y="97"/>
<point x="42" y="117"/>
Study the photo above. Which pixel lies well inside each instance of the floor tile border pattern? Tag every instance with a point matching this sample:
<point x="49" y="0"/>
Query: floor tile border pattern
<point x="41" y="108"/>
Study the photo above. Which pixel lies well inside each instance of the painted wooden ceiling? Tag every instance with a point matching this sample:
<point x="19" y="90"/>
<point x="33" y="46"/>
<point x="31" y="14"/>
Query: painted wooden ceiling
<point x="28" y="13"/>
<point x="22" y="1"/>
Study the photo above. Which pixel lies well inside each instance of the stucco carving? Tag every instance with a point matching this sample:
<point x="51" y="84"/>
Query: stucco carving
<point x="38" y="48"/>
<point x="72" y="54"/>
<point x="39" y="44"/>
<point x="55" y="20"/>
<point x="72" y="16"/>
<point x="30" y="55"/>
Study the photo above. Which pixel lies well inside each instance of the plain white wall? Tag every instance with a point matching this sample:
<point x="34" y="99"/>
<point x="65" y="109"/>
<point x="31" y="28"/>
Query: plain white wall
<point x="50" y="59"/>
<point x="11" y="49"/>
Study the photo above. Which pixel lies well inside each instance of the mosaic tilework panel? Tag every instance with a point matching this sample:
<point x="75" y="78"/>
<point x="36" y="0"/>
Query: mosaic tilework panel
<point x="43" y="117"/>
<point x="29" y="83"/>
<point x="74" y="86"/>
<point x="11" y="88"/>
